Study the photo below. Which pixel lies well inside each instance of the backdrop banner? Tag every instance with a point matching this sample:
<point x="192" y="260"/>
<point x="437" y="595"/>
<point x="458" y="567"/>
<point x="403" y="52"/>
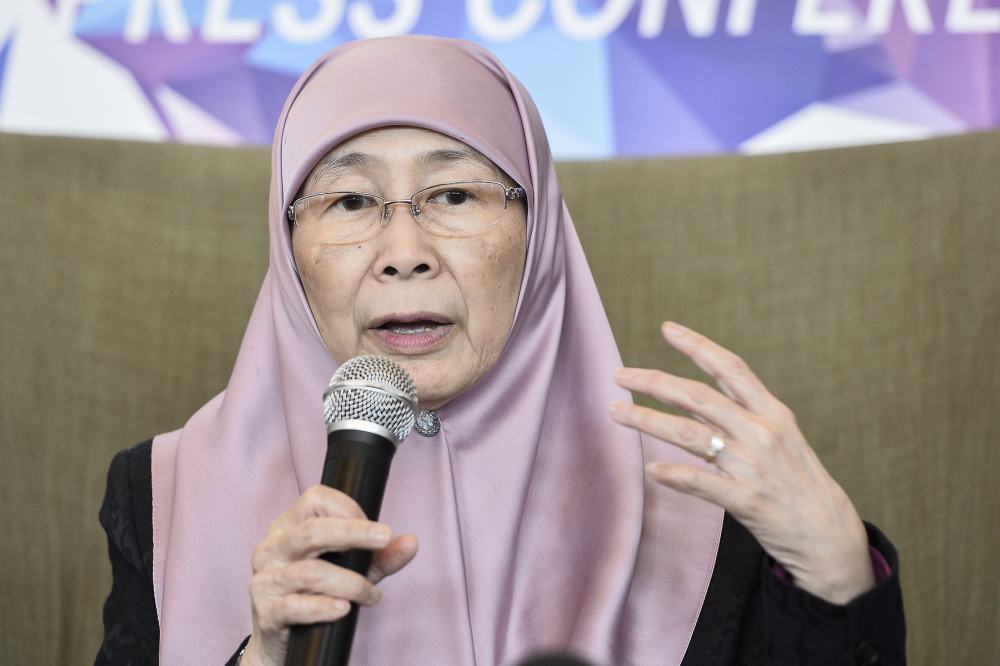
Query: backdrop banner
<point x="612" y="78"/>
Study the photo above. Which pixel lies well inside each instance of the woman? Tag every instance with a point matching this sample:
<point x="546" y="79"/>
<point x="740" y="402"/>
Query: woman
<point x="538" y="528"/>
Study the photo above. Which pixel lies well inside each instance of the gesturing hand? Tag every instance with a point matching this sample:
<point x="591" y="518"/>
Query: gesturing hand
<point x="291" y="585"/>
<point x="767" y="476"/>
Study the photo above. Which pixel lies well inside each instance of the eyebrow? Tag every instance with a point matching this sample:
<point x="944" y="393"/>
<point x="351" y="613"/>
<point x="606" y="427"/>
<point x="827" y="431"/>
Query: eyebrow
<point x="451" y="155"/>
<point x="334" y="167"/>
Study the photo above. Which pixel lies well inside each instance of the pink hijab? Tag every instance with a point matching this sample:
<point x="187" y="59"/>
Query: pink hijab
<point x="537" y="527"/>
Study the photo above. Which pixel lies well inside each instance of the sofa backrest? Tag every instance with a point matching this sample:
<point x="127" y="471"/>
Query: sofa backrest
<point x="862" y="284"/>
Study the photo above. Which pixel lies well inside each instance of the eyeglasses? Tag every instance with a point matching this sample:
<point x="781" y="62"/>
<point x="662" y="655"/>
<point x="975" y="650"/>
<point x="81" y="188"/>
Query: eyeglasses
<point x="457" y="208"/>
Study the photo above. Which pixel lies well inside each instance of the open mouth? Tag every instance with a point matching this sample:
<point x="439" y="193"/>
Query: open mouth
<point x="411" y="333"/>
<point x="410" y="327"/>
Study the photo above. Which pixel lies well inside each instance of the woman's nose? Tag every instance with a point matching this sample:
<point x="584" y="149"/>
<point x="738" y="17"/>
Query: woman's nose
<point x="405" y="249"/>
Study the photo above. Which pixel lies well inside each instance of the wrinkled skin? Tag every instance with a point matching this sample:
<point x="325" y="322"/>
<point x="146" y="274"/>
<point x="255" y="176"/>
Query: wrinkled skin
<point x="473" y="282"/>
<point x="767" y="476"/>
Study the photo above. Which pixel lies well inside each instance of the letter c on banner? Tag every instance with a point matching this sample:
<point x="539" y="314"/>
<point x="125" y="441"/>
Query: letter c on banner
<point x="596" y="26"/>
<point x="364" y="23"/>
<point x="488" y="25"/>
<point x="292" y="28"/>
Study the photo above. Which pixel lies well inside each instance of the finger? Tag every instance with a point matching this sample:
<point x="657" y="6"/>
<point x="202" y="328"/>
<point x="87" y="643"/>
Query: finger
<point x="729" y="370"/>
<point x="291" y="609"/>
<point x="393" y="557"/>
<point x="317" y="577"/>
<point x="695" y="397"/>
<point x="686" y="433"/>
<point x="314" y="536"/>
<point x="709" y="486"/>
<point x="320" y="500"/>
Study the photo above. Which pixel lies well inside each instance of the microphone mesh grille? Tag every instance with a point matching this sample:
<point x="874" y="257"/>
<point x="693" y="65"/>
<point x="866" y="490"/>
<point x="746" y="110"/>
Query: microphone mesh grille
<point x="373" y="389"/>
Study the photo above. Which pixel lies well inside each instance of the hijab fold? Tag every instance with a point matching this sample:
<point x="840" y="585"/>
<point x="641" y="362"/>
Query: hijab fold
<point x="537" y="526"/>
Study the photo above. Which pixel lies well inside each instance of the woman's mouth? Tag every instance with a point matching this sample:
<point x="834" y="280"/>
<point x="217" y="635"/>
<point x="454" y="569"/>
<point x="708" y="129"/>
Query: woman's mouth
<point x="412" y="336"/>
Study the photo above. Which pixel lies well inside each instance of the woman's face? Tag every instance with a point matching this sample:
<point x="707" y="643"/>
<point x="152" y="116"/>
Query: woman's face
<point x="441" y="307"/>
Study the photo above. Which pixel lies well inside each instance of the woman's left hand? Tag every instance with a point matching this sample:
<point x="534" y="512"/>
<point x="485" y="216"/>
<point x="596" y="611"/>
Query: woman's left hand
<point x="767" y="476"/>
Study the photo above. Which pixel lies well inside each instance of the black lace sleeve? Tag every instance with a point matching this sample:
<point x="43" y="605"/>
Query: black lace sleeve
<point x="804" y="629"/>
<point x="131" y="630"/>
<point x="752" y="618"/>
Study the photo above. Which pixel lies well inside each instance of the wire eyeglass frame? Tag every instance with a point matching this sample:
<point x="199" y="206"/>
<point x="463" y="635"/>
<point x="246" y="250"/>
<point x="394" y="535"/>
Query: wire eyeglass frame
<point x="510" y="193"/>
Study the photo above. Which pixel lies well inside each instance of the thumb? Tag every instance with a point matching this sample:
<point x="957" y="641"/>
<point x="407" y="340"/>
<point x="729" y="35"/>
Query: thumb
<point x="393" y="557"/>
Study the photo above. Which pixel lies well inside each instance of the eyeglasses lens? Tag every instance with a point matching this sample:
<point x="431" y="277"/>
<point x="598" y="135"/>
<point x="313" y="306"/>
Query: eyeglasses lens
<point x="450" y="209"/>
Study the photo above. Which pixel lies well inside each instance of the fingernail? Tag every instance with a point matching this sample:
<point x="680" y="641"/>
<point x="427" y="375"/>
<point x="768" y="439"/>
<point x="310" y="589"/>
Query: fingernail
<point x="672" y="329"/>
<point x="653" y="468"/>
<point x="624" y="373"/>
<point x="618" y="408"/>
<point x="380" y="533"/>
<point x="341" y="606"/>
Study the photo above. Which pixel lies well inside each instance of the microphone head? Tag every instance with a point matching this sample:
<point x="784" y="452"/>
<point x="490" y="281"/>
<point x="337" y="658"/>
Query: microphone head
<point x="372" y="389"/>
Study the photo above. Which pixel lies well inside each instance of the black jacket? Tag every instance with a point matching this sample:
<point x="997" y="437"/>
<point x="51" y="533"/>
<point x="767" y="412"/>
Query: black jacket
<point x="749" y="617"/>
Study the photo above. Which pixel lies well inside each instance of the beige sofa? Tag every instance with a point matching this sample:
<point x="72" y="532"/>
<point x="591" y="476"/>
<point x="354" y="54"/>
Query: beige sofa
<point x="862" y="284"/>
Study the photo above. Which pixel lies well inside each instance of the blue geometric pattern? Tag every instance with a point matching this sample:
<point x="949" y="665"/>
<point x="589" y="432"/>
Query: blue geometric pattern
<point x="678" y="82"/>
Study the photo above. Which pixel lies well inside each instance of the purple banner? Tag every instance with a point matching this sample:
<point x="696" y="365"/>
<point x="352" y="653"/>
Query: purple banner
<point x="611" y="78"/>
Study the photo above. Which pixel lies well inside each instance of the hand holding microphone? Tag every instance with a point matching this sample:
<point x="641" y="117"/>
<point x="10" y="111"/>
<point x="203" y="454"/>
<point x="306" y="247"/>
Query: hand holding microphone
<point x="310" y="569"/>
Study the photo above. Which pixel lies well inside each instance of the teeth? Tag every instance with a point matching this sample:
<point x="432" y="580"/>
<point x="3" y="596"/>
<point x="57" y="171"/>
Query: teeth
<point x="413" y="329"/>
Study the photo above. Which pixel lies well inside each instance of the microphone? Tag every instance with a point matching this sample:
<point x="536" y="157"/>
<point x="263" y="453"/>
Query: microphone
<point x="369" y="407"/>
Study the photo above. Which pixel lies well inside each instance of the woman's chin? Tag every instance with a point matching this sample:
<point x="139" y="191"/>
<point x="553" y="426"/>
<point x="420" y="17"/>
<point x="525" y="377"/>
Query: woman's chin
<point x="439" y="375"/>
<point x="434" y="385"/>
<point x="430" y="394"/>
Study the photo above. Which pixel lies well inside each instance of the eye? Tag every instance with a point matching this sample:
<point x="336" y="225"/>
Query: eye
<point x="354" y="202"/>
<point x="452" y="197"/>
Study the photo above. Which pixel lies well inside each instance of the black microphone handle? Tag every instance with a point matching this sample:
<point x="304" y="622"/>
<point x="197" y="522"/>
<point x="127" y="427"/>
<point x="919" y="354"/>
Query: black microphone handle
<point x="357" y="464"/>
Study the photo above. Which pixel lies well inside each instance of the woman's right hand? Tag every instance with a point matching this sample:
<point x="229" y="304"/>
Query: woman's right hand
<point x="291" y="585"/>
